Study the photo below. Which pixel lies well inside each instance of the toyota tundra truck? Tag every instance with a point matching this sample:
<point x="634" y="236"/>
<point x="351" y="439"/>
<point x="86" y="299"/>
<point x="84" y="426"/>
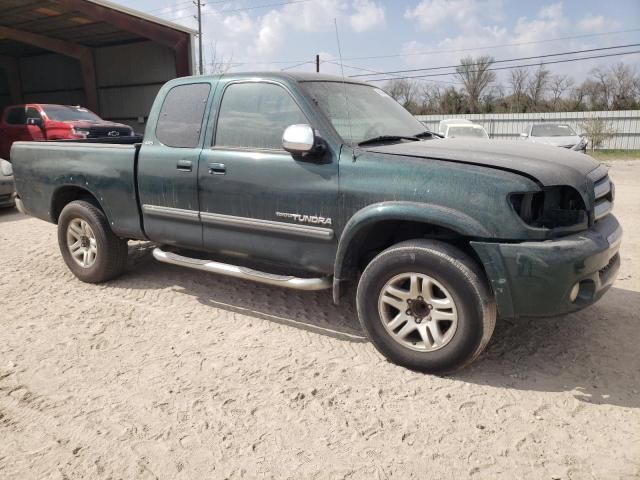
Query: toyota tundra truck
<point x="316" y="182"/>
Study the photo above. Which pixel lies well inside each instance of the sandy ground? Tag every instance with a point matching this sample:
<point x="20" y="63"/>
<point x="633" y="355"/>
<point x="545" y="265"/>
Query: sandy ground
<point x="173" y="374"/>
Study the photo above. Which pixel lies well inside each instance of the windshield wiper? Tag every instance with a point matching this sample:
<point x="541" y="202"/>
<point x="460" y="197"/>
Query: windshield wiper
<point x="387" y="138"/>
<point x="428" y="133"/>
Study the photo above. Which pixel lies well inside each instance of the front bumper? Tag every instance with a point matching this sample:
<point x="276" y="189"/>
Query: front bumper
<point x="536" y="278"/>
<point x="7" y="189"/>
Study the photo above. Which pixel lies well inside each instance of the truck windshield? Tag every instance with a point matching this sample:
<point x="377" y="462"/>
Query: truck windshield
<point x="473" y="132"/>
<point x="371" y="112"/>
<point x="65" y="113"/>
<point x="552" y="130"/>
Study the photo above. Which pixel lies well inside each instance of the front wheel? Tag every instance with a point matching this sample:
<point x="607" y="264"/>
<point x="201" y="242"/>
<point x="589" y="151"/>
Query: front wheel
<point x="426" y="306"/>
<point x="89" y="248"/>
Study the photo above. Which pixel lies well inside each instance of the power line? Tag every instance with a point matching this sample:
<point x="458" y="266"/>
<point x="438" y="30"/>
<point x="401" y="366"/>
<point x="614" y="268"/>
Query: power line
<point x="487" y="47"/>
<point x="519" y="59"/>
<point x="296" y="65"/>
<point x="450" y="82"/>
<point x="566" y="60"/>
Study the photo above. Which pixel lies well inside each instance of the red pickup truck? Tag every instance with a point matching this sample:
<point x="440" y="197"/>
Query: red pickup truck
<point x="40" y="122"/>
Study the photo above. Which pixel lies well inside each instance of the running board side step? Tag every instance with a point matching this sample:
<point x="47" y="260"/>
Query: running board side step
<point x="243" y="272"/>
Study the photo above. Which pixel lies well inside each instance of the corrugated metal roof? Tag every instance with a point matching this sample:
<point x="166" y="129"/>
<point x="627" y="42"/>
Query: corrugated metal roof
<point x="144" y="16"/>
<point x="58" y="19"/>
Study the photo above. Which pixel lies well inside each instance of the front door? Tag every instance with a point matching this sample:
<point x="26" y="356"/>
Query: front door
<point x="17" y="129"/>
<point x="168" y="167"/>
<point x="256" y="199"/>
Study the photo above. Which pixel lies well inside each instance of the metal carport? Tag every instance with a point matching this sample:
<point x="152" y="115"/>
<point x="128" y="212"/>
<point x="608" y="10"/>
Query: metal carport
<point x="94" y="53"/>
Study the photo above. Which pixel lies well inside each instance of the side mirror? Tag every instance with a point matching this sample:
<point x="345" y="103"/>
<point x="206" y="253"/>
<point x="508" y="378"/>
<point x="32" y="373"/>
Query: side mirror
<point x="299" y="139"/>
<point x="524" y="135"/>
<point x="36" y="122"/>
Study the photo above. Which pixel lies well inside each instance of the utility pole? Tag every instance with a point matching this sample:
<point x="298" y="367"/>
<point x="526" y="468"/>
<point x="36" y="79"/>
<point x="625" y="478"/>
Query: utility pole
<point x="317" y="63"/>
<point x="199" y="4"/>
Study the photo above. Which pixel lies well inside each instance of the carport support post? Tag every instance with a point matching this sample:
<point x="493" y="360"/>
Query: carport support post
<point x="88" y="64"/>
<point x="12" y="68"/>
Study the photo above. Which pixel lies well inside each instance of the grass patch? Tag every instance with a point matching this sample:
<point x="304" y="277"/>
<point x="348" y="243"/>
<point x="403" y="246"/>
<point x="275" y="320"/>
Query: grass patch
<point x="615" y="154"/>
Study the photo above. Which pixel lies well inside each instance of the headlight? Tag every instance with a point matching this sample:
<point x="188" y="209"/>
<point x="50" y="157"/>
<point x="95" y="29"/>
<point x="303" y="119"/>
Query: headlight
<point x="552" y="207"/>
<point x="5" y="168"/>
<point x="80" y="132"/>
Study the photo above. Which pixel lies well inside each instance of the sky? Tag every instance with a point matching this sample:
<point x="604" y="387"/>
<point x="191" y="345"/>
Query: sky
<point x="385" y="35"/>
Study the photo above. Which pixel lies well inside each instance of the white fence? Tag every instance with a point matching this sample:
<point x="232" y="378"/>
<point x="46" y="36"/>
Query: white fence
<point x="624" y="123"/>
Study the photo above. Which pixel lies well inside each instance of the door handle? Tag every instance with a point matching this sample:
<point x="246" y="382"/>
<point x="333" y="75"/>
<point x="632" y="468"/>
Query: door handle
<point x="217" y="169"/>
<point x="184" y="165"/>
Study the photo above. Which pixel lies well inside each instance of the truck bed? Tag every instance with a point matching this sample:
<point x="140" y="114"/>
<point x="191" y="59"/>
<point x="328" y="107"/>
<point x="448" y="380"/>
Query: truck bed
<point x="106" y="170"/>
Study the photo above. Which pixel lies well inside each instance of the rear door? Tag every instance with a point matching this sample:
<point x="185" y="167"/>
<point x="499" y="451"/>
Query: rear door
<point x="168" y="166"/>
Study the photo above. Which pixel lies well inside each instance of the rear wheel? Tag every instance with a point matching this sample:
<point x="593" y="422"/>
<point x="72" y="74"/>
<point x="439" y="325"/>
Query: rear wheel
<point x="425" y="305"/>
<point x="89" y="248"/>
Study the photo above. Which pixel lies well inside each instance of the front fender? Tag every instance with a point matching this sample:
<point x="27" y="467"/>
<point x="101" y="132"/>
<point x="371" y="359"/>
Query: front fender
<point x="435" y="215"/>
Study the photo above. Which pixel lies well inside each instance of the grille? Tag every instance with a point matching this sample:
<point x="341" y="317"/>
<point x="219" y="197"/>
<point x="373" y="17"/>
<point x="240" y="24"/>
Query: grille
<point x="100" y="132"/>
<point x="603" y="192"/>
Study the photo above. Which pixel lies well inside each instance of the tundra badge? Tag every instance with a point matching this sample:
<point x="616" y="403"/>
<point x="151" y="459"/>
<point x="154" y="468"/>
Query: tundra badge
<point x="305" y="218"/>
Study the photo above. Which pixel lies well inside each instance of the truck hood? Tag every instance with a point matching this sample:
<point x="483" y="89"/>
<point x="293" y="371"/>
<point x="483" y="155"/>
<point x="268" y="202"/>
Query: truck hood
<point x="557" y="141"/>
<point x="88" y="124"/>
<point x="545" y="164"/>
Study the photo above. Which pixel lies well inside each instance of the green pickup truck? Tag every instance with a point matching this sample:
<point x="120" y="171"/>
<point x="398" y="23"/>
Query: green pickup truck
<point x="313" y="182"/>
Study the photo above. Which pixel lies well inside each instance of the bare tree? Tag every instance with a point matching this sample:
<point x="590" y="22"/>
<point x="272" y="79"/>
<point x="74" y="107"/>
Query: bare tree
<point x="600" y="88"/>
<point x="559" y="84"/>
<point x="537" y="86"/>
<point x="431" y="98"/>
<point x="517" y="84"/>
<point x="476" y="76"/>
<point x="218" y="64"/>
<point x="625" y="86"/>
<point x="404" y="91"/>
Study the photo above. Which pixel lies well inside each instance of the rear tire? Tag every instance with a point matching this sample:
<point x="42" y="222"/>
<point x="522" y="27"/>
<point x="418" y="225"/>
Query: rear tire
<point x="88" y="245"/>
<point x="426" y="305"/>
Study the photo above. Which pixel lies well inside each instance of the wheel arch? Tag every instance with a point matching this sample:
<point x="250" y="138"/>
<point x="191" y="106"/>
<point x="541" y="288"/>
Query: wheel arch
<point x="416" y="220"/>
<point x="65" y="194"/>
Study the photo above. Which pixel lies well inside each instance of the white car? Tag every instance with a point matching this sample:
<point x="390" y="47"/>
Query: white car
<point x="556" y="134"/>
<point x="461" y="128"/>
<point x="7" y="188"/>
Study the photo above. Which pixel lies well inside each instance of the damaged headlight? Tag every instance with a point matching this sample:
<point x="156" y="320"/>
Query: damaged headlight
<point x="553" y="208"/>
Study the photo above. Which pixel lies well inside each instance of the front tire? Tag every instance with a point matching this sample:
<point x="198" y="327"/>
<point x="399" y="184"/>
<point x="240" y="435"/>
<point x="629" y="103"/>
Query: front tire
<point x="425" y="305"/>
<point x="89" y="247"/>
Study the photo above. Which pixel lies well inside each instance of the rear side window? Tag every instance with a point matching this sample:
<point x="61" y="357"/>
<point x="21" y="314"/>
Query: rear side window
<point x="180" y="120"/>
<point x="17" y="116"/>
<point x="255" y="115"/>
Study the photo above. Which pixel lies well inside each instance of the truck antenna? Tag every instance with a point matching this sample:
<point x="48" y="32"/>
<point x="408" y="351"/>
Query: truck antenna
<point x="344" y="85"/>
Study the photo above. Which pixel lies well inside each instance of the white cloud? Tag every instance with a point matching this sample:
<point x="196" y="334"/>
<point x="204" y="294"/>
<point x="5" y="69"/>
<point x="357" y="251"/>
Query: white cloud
<point x="551" y="11"/>
<point x="433" y="13"/>
<point x="367" y="16"/>
<point x="238" y="24"/>
<point x="598" y="23"/>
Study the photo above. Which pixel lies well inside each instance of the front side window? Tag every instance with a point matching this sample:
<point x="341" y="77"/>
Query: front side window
<point x="33" y="113"/>
<point x="255" y="115"/>
<point x="180" y="120"/>
<point x="17" y="116"/>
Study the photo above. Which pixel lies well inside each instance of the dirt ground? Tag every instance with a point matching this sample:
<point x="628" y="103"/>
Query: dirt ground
<point x="175" y="374"/>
